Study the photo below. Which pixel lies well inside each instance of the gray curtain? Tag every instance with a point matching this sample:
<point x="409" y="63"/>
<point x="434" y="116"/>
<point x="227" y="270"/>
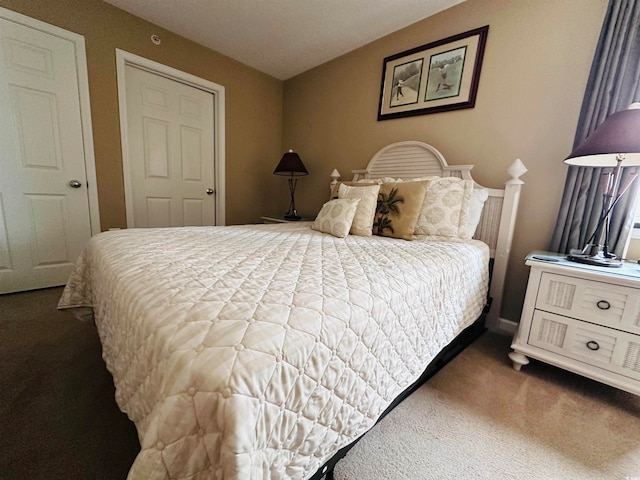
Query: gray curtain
<point x="614" y="83"/>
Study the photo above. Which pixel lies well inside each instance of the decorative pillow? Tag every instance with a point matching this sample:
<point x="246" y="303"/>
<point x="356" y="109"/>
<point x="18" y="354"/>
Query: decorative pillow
<point x="416" y="179"/>
<point x="445" y="208"/>
<point x="335" y="217"/>
<point x="399" y="205"/>
<point x="366" y="210"/>
<point x="478" y="198"/>
<point x="359" y="183"/>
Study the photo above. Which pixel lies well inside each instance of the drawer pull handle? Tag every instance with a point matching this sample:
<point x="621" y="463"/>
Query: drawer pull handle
<point x="603" y="305"/>
<point x="593" y="345"/>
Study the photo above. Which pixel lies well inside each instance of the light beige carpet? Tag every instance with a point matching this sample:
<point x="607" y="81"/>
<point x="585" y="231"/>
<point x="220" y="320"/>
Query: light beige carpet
<point x="480" y="419"/>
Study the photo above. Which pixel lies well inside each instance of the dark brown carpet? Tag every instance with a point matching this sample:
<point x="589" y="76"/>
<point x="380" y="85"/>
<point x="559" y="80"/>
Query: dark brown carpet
<point x="58" y="416"/>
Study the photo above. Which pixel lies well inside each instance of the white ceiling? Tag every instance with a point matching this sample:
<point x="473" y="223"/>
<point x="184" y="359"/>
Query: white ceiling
<point x="283" y="37"/>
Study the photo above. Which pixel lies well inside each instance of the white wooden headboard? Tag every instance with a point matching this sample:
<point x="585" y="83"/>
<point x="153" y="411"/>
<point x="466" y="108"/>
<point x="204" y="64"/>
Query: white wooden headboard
<point x="413" y="159"/>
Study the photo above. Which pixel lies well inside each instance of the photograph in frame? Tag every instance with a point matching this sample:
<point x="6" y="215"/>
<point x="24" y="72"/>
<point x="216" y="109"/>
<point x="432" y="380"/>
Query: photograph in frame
<point x="406" y="83"/>
<point x="437" y="77"/>
<point x="445" y="74"/>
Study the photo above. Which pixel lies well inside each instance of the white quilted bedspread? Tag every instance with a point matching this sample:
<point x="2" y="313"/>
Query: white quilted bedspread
<point x="256" y="352"/>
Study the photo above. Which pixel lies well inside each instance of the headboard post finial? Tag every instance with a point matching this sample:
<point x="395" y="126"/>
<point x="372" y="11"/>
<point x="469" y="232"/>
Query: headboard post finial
<point x="335" y="175"/>
<point x="516" y="170"/>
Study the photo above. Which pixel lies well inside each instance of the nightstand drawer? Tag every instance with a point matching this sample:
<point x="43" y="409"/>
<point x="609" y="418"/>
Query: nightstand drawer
<point x="596" y="302"/>
<point x="609" y="349"/>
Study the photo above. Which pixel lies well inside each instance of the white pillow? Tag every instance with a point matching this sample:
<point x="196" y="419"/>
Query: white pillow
<point x="336" y="216"/>
<point x="365" y="212"/>
<point x="478" y="198"/>
<point x="369" y="180"/>
<point x="400" y="180"/>
<point x="445" y="208"/>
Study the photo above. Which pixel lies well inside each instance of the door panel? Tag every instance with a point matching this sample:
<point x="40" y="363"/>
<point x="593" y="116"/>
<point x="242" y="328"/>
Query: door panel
<point x="156" y="148"/>
<point x="193" y="212"/>
<point x="171" y="150"/>
<point x="44" y="222"/>
<point x="49" y="245"/>
<point x="191" y="146"/>
<point x="37" y="128"/>
<point x="159" y="212"/>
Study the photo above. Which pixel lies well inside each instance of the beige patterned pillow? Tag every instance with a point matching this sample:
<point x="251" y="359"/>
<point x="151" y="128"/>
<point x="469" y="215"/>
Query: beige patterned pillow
<point x="360" y="183"/>
<point x="445" y="208"/>
<point x="399" y="205"/>
<point x="368" y="194"/>
<point x="336" y="216"/>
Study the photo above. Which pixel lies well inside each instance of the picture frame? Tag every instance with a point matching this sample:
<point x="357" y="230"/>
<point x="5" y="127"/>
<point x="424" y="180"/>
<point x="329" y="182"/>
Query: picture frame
<point x="437" y="77"/>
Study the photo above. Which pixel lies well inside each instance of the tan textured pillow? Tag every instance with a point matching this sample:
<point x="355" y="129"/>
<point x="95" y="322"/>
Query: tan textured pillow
<point x="359" y="183"/>
<point x="445" y="208"/>
<point x="363" y="220"/>
<point x="336" y="216"/>
<point x="399" y="205"/>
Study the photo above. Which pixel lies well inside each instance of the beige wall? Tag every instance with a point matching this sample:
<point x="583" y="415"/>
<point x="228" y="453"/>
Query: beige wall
<point x="536" y="64"/>
<point x="253" y="100"/>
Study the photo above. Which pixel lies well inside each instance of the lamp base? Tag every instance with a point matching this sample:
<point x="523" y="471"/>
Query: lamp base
<point x="292" y="217"/>
<point x="597" y="260"/>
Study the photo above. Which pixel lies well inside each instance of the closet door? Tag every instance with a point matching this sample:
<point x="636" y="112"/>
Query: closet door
<point x="44" y="203"/>
<point x="171" y="146"/>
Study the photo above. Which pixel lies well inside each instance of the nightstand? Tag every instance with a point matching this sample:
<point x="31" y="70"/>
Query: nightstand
<point x="583" y="318"/>
<point x="284" y="220"/>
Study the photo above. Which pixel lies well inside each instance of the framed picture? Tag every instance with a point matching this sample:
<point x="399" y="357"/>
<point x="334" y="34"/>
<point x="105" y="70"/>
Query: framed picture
<point x="436" y="77"/>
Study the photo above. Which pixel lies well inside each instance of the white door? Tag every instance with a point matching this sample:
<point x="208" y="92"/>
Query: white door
<point x="171" y="151"/>
<point x="44" y="205"/>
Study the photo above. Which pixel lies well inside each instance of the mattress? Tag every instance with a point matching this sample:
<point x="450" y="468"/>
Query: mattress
<point x="254" y="352"/>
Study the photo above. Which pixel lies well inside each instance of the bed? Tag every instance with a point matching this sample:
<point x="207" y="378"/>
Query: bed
<point x="267" y="351"/>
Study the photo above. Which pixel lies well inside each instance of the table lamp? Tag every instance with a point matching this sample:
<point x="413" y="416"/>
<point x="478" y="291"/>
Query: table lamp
<point x="291" y="165"/>
<point x="615" y="143"/>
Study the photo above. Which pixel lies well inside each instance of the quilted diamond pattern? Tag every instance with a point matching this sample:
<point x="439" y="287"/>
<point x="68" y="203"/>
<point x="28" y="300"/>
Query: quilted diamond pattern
<point x="258" y="351"/>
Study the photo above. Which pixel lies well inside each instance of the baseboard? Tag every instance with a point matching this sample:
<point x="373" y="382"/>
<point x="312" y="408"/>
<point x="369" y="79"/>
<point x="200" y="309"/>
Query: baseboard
<point x="506" y="327"/>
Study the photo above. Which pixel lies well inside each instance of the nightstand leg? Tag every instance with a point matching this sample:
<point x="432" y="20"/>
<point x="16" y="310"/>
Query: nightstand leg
<point x="518" y="360"/>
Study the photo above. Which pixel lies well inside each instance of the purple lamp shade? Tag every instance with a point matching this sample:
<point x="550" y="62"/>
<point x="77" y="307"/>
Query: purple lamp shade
<point x="290" y="164"/>
<point x="618" y="135"/>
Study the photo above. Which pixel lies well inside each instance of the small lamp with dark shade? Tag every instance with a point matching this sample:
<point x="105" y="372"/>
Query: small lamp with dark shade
<point x="290" y="165"/>
<point x="615" y="143"/>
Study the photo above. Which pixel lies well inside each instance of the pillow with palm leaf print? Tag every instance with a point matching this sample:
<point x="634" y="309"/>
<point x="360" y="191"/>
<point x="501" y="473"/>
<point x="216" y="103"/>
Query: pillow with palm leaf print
<point x="399" y="206"/>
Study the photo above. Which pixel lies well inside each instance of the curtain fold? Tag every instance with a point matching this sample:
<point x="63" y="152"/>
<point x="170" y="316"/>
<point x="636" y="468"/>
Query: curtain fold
<point x="614" y="83"/>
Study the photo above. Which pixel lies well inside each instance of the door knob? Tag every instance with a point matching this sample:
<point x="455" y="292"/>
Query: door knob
<point x="210" y="191"/>
<point x="75" y="184"/>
